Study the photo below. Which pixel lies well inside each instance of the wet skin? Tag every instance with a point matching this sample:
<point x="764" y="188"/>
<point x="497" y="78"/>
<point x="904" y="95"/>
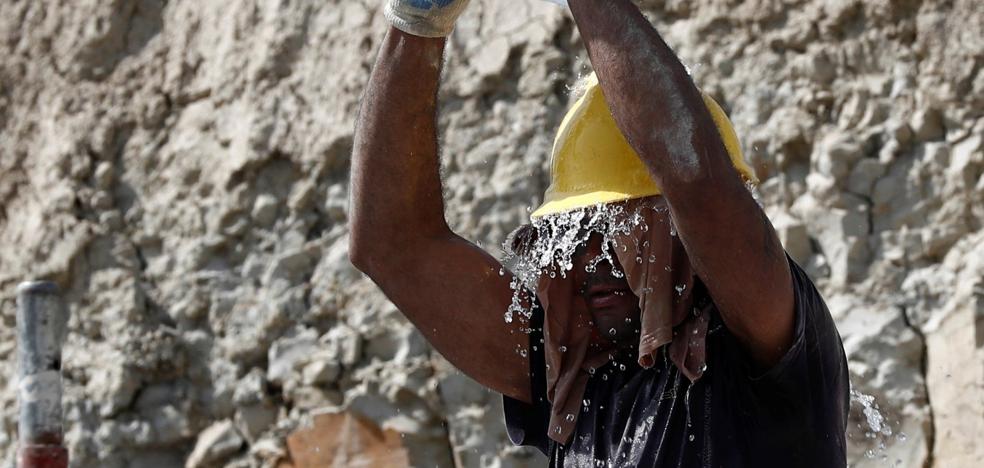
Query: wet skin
<point x="612" y="304"/>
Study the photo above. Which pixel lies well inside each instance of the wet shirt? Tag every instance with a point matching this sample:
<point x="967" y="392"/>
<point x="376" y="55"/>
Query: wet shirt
<point x="793" y="415"/>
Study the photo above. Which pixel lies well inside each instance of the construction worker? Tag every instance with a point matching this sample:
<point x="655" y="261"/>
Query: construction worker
<point x="676" y="333"/>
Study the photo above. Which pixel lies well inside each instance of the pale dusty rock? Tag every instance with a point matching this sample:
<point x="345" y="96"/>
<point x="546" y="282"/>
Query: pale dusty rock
<point x="954" y="354"/>
<point x="265" y="210"/>
<point x="863" y="176"/>
<point x="336" y="203"/>
<point x="214" y="445"/>
<point x="321" y="371"/>
<point x="268" y="451"/>
<point x="927" y="124"/>
<point x="836" y="155"/>
<point x="343" y="345"/>
<point x="794" y="237"/>
<point x="253" y="420"/>
<point x="288" y="355"/>
<point x="967" y="159"/>
<point x="181" y="169"/>
<point x="841" y="234"/>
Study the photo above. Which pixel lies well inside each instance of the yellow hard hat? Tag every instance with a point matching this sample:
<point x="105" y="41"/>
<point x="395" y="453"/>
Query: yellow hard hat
<point x="593" y="163"/>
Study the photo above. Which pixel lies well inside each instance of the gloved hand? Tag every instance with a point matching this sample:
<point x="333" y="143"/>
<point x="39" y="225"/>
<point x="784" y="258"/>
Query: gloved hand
<point x="427" y="18"/>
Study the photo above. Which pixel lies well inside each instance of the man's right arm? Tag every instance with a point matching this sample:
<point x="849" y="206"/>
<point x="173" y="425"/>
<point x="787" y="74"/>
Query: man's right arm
<point x="450" y="289"/>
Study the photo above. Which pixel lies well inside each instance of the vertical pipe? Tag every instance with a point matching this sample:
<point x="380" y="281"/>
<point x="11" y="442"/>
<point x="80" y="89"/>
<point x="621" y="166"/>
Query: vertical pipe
<point x="41" y="325"/>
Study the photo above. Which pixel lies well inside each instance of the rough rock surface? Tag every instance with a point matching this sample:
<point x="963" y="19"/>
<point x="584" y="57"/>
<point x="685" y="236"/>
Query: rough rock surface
<point x="180" y="168"/>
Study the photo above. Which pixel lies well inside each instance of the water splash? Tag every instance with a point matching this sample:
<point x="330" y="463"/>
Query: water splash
<point x="549" y="246"/>
<point x="876" y="421"/>
<point x="879" y="435"/>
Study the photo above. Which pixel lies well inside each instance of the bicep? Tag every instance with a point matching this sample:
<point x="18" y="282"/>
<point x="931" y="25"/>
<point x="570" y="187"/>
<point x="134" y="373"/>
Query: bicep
<point x="456" y="294"/>
<point x="736" y="253"/>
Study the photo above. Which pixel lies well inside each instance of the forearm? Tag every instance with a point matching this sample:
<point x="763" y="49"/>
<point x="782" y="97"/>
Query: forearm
<point x="650" y="94"/>
<point x="662" y="115"/>
<point x="396" y="187"/>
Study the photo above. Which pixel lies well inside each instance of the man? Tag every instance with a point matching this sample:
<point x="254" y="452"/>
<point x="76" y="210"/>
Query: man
<point x="668" y="328"/>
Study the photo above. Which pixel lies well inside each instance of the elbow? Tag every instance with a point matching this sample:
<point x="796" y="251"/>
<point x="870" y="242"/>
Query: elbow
<point x="360" y="252"/>
<point x="372" y="253"/>
<point x="364" y="242"/>
<point x="379" y="250"/>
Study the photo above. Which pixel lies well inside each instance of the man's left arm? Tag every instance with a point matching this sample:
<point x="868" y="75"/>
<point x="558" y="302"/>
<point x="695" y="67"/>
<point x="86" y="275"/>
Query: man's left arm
<point x="731" y="243"/>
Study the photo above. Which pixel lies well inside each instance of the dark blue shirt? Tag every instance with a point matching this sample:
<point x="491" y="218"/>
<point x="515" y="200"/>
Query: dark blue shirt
<point x="793" y="415"/>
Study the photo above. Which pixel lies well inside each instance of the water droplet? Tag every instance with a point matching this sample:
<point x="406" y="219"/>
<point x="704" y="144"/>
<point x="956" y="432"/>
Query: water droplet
<point x="586" y="402"/>
<point x="612" y="331"/>
<point x="535" y="348"/>
<point x="621" y="367"/>
<point x="522" y="353"/>
<point x="703" y="367"/>
<point x="591" y="370"/>
<point x="680" y="288"/>
<point x="563" y="349"/>
<point x="570" y="417"/>
<point x="557" y="429"/>
<point x="652" y="259"/>
<point x="690" y="437"/>
<point x="502" y="272"/>
<point x="628" y="319"/>
<point x="604" y="376"/>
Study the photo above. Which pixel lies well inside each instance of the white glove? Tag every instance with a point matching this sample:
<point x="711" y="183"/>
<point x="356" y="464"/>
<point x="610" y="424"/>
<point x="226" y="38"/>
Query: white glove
<point x="427" y="18"/>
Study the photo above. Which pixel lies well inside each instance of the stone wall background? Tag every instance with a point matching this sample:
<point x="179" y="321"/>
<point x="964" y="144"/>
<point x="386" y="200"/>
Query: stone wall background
<point x="180" y="168"/>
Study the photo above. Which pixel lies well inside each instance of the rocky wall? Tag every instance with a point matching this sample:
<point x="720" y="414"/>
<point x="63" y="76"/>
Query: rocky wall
<point x="180" y="168"/>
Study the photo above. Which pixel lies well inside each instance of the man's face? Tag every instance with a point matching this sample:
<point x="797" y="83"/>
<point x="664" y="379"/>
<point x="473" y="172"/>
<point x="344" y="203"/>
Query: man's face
<point x="613" y="306"/>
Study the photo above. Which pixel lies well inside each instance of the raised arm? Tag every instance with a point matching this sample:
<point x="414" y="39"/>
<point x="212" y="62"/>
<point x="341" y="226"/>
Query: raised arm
<point x="730" y="241"/>
<point x="449" y="289"/>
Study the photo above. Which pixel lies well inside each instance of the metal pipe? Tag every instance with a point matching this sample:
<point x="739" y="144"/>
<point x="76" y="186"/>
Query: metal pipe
<point x="41" y="326"/>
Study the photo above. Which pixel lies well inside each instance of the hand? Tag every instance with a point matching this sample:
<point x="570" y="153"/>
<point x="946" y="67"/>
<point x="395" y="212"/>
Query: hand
<point x="427" y="18"/>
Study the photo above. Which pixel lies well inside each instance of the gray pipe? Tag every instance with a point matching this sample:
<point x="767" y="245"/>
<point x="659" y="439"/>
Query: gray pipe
<point x="41" y="326"/>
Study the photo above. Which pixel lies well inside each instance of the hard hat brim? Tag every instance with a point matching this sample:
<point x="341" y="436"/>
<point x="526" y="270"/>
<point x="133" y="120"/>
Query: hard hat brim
<point x="583" y="200"/>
